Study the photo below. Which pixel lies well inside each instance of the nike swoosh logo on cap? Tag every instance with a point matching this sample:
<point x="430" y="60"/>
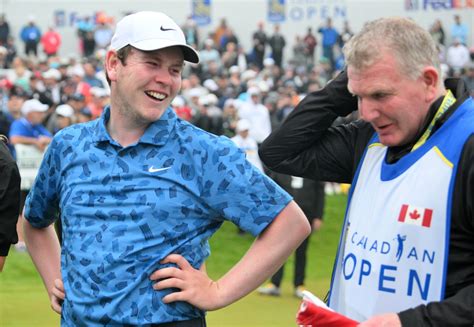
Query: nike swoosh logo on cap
<point x="155" y="170"/>
<point x="166" y="29"/>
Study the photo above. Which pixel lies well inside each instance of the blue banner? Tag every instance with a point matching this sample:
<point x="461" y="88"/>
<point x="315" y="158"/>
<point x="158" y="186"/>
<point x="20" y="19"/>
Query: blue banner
<point x="276" y="11"/>
<point x="201" y="12"/>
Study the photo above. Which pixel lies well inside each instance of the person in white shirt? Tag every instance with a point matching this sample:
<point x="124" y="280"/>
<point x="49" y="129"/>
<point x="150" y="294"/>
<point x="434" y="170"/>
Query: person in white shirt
<point x="257" y="114"/>
<point x="245" y="142"/>
<point x="457" y="56"/>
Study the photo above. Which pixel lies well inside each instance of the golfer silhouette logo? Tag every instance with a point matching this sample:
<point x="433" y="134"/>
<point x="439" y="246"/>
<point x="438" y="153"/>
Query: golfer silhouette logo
<point x="400" y="240"/>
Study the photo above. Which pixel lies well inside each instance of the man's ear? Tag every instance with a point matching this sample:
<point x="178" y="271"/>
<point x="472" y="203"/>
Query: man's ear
<point x="111" y="63"/>
<point x="431" y="79"/>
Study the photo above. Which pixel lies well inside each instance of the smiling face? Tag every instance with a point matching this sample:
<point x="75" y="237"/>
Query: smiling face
<point x="145" y="84"/>
<point x="395" y="105"/>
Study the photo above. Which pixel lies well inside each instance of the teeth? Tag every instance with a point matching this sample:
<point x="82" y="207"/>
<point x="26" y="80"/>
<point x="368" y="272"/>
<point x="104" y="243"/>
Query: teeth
<point x="156" y="95"/>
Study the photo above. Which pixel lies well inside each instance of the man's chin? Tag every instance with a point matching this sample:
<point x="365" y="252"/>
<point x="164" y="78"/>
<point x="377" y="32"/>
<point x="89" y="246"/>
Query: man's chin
<point x="389" y="141"/>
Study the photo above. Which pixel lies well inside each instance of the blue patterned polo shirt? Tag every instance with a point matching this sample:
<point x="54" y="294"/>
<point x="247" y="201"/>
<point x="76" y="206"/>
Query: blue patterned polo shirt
<point x="124" y="209"/>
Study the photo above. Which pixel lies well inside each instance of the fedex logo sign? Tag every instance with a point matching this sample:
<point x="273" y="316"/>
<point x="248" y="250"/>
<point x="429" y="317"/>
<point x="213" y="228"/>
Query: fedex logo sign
<point x="438" y="4"/>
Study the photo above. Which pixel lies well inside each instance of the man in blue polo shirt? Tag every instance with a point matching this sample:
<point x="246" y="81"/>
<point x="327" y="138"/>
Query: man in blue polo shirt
<point x="140" y="192"/>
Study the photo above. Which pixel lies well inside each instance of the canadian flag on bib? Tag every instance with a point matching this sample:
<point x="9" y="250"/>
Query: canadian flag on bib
<point x="415" y="215"/>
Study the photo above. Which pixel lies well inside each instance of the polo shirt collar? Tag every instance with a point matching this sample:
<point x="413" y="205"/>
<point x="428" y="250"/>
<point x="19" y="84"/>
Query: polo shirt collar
<point x="157" y="133"/>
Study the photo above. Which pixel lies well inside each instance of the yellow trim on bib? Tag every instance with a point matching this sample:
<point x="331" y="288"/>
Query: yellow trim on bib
<point x="448" y="100"/>
<point x="441" y="155"/>
<point x="376" y="144"/>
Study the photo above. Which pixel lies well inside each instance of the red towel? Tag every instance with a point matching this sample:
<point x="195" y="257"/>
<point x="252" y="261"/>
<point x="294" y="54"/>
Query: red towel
<point x="311" y="314"/>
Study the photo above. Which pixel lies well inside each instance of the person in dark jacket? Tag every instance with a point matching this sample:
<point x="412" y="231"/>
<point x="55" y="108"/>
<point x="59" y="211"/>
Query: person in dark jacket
<point x="9" y="200"/>
<point x="405" y="254"/>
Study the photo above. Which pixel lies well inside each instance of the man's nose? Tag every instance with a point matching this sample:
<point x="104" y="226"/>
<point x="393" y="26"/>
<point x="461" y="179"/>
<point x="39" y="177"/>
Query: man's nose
<point x="163" y="76"/>
<point x="367" y="110"/>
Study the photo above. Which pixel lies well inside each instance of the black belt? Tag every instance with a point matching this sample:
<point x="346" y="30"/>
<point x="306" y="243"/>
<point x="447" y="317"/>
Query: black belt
<point x="197" y="322"/>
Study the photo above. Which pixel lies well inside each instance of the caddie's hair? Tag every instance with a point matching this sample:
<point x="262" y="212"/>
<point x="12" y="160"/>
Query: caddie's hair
<point x="412" y="46"/>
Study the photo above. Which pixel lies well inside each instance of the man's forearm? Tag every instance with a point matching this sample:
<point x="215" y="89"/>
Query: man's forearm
<point x="266" y="255"/>
<point x="306" y="124"/>
<point x="43" y="247"/>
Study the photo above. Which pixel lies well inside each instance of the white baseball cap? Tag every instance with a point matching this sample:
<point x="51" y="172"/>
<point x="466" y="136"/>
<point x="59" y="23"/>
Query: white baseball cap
<point x="149" y="30"/>
<point x="65" y="110"/>
<point x="33" y="105"/>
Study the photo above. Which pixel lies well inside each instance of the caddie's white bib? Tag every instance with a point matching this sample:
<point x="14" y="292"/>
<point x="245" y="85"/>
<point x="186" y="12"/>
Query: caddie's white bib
<point x="394" y="252"/>
<point x="394" y="246"/>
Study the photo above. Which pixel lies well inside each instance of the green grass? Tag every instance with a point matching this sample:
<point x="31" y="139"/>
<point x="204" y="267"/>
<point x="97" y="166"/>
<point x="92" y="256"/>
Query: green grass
<point x="23" y="300"/>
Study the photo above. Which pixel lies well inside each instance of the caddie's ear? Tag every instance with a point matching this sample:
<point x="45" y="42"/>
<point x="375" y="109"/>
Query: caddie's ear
<point x="431" y="79"/>
<point x="111" y="63"/>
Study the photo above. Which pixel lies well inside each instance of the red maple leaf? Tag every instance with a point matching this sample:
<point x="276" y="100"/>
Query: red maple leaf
<point x="414" y="215"/>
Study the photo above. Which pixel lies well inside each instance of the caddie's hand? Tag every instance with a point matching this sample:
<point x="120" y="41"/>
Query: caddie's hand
<point x="195" y="286"/>
<point x="384" y="320"/>
<point x="57" y="295"/>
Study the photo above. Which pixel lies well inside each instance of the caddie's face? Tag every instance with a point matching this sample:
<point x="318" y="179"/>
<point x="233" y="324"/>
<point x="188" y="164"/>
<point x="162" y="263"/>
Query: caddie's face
<point x="394" y="104"/>
<point x="147" y="83"/>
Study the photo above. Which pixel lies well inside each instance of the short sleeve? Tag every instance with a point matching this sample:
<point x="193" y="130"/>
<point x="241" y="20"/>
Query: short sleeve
<point x="238" y="191"/>
<point x="41" y="205"/>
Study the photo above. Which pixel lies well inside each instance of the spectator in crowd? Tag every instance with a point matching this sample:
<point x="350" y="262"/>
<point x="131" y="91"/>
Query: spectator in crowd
<point x="51" y="42"/>
<point x="230" y="55"/>
<point x="162" y="231"/>
<point x="457" y="57"/>
<point x="85" y="30"/>
<point x="3" y="57"/>
<point x="468" y="78"/>
<point x="10" y="200"/>
<point x="437" y="32"/>
<point x="90" y="75"/>
<point x="330" y="37"/>
<point x="413" y="127"/>
<point x="310" y="43"/>
<point x="62" y="117"/>
<point x="226" y="38"/>
<point x="345" y="34"/>
<point x="16" y="98"/>
<point x="31" y="35"/>
<point x="88" y="44"/>
<point x="191" y="32"/>
<point x="230" y="117"/>
<point x="103" y="32"/>
<point x="246" y="143"/>
<point x="209" y="116"/>
<point x="208" y="55"/>
<point x="299" y="52"/>
<point x="51" y="94"/>
<point x="182" y="110"/>
<point x="11" y="49"/>
<point x="19" y="74"/>
<point x="257" y="114"/>
<point x="459" y="30"/>
<point x="77" y="101"/>
<point x="29" y="130"/>
<point x="277" y="43"/>
<point x="219" y="31"/>
<point x="259" y="41"/>
<point x="309" y="195"/>
<point x="4" y="30"/>
<point x="99" y="99"/>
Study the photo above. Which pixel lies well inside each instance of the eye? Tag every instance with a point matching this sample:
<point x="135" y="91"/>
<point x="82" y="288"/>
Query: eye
<point x="152" y="63"/>
<point x="379" y="96"/>
<point x="176" y="71"/>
